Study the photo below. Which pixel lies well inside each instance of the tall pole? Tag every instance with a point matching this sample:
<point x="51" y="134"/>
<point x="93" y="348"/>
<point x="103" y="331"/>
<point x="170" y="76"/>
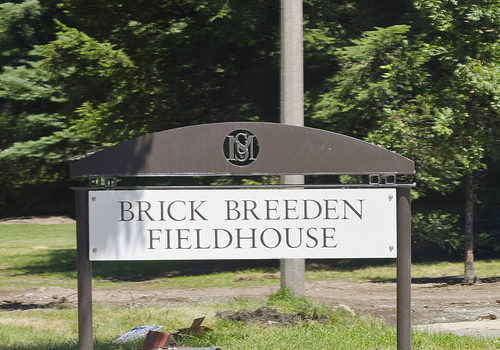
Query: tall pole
<point x="83" y="271"/>
<point x="292" y="113"/>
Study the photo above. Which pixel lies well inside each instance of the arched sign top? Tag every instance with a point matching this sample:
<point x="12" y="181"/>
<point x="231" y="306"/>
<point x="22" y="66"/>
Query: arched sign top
<point x="241" y="148"/>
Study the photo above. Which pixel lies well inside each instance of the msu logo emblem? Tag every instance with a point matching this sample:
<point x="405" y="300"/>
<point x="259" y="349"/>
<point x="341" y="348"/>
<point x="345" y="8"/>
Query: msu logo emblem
<point x="241" y="147"/>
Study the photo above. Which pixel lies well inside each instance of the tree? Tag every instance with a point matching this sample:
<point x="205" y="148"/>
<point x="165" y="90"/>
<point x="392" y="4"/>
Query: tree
<point x="22" y="114"/>
<point x="432" y="96"/>
<point x="22" y="25"/>
<point x="382" y="94"/>
<point x="466" y="35"/>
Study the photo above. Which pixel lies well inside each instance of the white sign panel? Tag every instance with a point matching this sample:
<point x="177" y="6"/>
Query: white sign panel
<point x="242" y="224"/>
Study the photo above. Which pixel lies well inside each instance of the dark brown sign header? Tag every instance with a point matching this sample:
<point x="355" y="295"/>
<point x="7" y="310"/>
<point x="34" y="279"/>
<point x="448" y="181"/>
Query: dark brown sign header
<point x="247" y="148"/>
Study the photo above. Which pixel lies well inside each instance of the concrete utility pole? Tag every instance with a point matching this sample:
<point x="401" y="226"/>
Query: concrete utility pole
<point x="292" y="112"/>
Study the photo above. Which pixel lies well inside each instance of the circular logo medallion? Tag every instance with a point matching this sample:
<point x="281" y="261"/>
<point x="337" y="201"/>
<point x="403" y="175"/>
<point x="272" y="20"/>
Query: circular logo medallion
<point x="241" y="147"/>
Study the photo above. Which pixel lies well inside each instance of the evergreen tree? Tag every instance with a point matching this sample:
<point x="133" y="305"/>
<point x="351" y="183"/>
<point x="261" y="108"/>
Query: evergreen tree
<point x="430" y="93"/>
<point x="24" y="96"/>
<point x="468" y="75"/>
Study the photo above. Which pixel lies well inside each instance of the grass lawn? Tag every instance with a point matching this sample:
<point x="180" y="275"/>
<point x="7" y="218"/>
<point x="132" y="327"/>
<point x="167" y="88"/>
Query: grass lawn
<point x="56" y="329"/>
<point x="44" y="255"/>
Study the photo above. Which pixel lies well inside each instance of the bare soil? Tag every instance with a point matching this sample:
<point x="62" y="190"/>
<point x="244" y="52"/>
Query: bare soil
<point x="266" y="315"/>
<point x="43" y="220"/>
<point x="433" y="301"/>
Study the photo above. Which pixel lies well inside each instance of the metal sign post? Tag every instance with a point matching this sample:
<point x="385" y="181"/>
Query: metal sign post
<point x="83" y="271"/>
<point x="230" y="149"/>
<point x="403" y="278"/>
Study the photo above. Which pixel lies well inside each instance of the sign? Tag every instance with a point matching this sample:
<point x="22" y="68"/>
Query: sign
<point x="242" y="224"/>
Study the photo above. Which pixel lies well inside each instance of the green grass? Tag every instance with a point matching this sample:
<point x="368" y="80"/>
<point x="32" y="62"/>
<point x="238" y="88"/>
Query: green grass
<point x="45" y="255"/>
<point x="385" y="271"/>
<point x="56" y="329"/>
<point x="37" y="253"/>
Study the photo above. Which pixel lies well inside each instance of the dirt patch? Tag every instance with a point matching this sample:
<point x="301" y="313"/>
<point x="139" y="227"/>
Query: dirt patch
<point x="61" y="303"/>
<point x="264" y="315"/>
<point x="431" y="302"/>
<point x="43" y="220"/>
<point x="264" y="277"/>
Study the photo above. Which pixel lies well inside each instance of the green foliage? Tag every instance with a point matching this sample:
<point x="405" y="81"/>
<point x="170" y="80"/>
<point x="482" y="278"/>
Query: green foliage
<point x="360" y="92"/>
<point x="24" y="24"/>
<point x="465" y="36"/>
<point x="94" y="75"/>
<point x="17" y="29"/>
<point x="424" y="97"/>
<point x="32" y="128"/>
<point x="428" y="92"/>
<point x="172" y="86"/>
<point x="422" y="132"/>
<point x="436" y="233"/>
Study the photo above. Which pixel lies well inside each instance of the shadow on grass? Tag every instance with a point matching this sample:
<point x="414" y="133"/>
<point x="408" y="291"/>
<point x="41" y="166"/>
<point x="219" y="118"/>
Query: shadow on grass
<point x="16" y="305"/>
<point x="439" y="281"/>
<point x="449" y="280"/>
<point x="348" y="264"/>
<point x="148" y="270"/>
<point x="355" y="264"/>
<point x="63" y="261"/>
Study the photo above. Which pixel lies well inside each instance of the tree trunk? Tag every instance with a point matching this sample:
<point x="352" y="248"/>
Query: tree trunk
<point x="469" y="274"/>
